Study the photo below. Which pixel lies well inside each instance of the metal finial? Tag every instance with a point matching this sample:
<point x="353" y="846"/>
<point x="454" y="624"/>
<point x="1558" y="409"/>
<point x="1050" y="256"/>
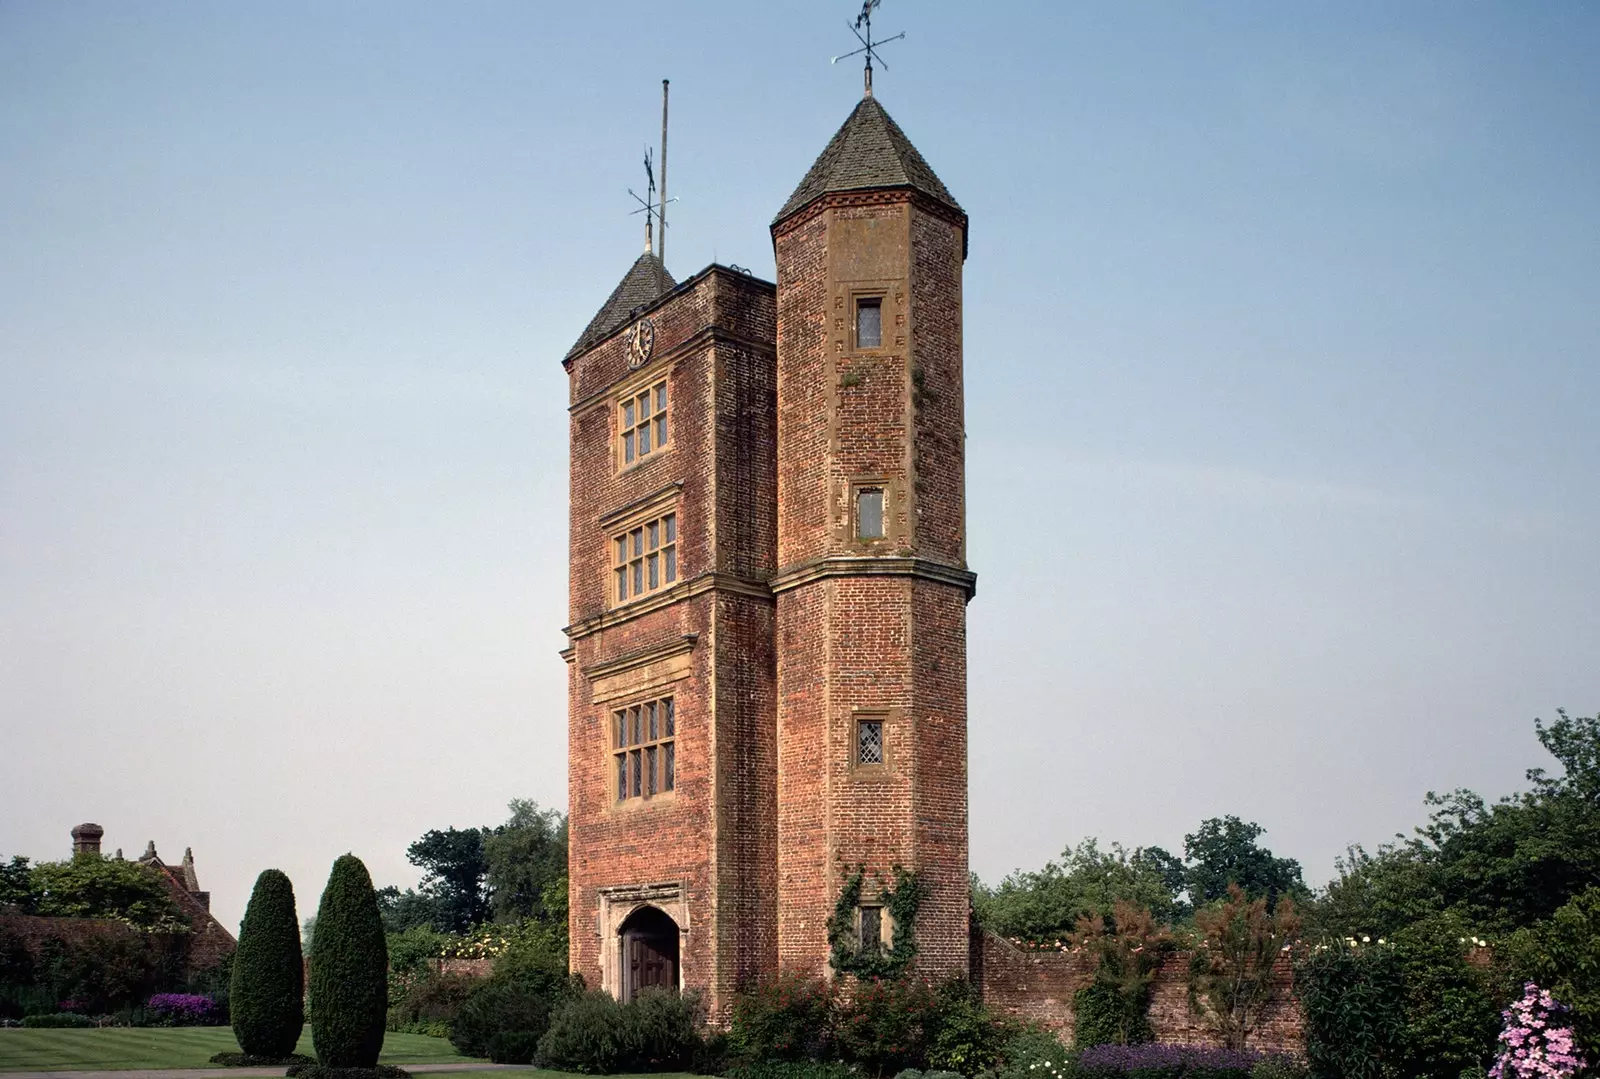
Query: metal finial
<point x="868" y="44"/>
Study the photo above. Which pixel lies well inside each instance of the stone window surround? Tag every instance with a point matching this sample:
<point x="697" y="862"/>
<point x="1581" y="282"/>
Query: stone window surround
<point x="652" y="507"/>
<point x="877" y="483"/>
<point x="617" y="903"/>
<point x="659" y="744"/>
<point x="890" y="718"/>
<point x="646" y="378"/>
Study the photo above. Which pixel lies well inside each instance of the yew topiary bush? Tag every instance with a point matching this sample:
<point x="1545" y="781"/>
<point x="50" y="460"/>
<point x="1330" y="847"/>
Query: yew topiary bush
<point x="267" y="991"/>
<point x="349" y="970"/>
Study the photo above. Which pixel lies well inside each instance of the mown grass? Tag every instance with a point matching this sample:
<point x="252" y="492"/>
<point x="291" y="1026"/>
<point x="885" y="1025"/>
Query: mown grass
<point x="124" y="1048"/>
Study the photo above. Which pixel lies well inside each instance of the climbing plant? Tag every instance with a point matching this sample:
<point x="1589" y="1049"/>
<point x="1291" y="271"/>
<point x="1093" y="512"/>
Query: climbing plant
<point x="901" y="901"/>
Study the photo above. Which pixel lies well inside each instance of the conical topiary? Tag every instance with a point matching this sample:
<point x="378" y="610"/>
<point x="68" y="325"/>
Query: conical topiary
<point x="349" y="970"/>
<point x="267" y="993"/>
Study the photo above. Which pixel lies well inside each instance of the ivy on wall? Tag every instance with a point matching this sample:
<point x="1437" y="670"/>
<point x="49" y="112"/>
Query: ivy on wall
<point x="901" y="901"/>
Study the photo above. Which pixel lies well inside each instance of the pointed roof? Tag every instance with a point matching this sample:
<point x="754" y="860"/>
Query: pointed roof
<point x="869" y="151"/>
<point x="646" y="282"/>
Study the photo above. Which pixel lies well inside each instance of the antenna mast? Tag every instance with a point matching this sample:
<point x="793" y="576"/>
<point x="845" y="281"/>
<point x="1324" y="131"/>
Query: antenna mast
<point x="663" y="215"/>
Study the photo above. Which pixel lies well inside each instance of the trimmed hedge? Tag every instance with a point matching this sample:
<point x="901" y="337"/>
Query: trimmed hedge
<point x="59" y="1019"/>
<point x="349" y="970"/>
<point x="267" y="991"/>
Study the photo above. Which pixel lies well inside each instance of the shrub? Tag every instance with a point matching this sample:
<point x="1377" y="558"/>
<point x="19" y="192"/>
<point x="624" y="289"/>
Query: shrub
<point x="793" y="1069"/>
<point x="267" y="990"/>
<point x="514" y="1047"/>
<point x="585" y="1035"/>
<point x="182" y="1010"/>
<point x="962" y="1036"/>
<point x="789" y="1017"/>
<point x="1034" y="1053"/>
<point x="1537" y="1041"/>
<point x="431" y="1002"/>
<point x="885" y="1027"/>
<point x="1231" y="972"/>
<point x="656" y="1031"/>
<point x="1112" y="1010"/>
<point x="349" y="970"/>
<point x="1171" y="1061"/>
<point x="1353" y="999"/>
<point x="1451" y="1018"/>
<point x="500" y="1007"/>
<point x="59" y="1019"/>
<point x="662" y="1030"/>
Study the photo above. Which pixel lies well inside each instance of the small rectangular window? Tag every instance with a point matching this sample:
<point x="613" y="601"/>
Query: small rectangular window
<point x="869" y="322"/>
<point x="869" y="741"/>
<point x="871" y="930"/>
<point x="869" y="513"/>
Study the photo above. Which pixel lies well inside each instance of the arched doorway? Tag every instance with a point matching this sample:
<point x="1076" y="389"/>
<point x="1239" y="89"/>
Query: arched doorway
<point x="649" y="951"/>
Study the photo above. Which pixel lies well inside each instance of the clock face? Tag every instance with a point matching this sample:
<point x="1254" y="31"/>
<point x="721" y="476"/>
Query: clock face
<point x="642" y="343"/>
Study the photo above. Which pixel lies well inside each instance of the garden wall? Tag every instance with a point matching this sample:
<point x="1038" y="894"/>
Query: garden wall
<point x="1038" y="987"/>
<point x="204" y="948"/>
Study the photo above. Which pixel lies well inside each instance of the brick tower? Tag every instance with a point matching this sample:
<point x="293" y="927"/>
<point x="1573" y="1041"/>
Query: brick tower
<point x="671" y="744"/>
<point x="767" y="658"/>
<point x="872" y="582"/>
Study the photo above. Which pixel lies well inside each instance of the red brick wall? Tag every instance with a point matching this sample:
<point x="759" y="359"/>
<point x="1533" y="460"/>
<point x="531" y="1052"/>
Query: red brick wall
<point x="715" y="831"/>
<point x="857" y="638"/>
<point x="1039" y="986"/>
<point x="202" y="949"/>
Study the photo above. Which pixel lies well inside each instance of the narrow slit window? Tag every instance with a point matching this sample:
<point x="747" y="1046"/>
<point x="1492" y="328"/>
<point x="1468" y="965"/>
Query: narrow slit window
<point x="869" y="513"/>
<point x="869" y="322"/>
<point x="871" y="930"/>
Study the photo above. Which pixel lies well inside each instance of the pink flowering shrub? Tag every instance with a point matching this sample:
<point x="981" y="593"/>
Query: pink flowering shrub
<point x="1537" y="1042"/>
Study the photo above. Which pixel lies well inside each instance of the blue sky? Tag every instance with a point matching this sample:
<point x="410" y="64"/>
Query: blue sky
<point x="1283" y="349"/>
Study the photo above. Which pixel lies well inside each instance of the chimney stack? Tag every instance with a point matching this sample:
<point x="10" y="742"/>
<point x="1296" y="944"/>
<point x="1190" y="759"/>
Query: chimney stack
<point x="86" y="839"/>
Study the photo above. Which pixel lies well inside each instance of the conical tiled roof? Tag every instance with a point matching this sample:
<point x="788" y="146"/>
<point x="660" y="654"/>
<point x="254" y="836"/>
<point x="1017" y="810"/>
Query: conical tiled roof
<point x="869" y="151"/>
<point x="646" y="282"/>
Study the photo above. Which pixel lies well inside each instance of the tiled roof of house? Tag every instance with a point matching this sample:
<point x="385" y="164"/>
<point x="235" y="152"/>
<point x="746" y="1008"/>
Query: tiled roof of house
<point x="868" y="151"/>
<point x="646" y="282"/>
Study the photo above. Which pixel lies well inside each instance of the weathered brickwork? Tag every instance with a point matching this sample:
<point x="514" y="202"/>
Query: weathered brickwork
<point x="1039" y="986"/>
<point x="705" y="640"/>
<point x="784" y="629"/>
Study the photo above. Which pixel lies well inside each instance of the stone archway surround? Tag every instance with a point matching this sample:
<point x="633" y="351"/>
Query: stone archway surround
<point x="617" y="904"/>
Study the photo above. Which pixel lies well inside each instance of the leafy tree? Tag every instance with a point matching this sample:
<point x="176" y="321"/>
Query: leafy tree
<point x="267" y="994"/>
<point x="1451" y="1017"/>
<point x="1224" y="852"/>
<point x="1112" y="1010"/>
<point x="93" y="887"/>
<point x="453" y="869"/>
<point x="349" y="970"/>
<point x="1562" y="954"/>
<point x="16" y="884"/>
<point x="1047" y="903"/>
<point x="1232" y="970"/>
<point x="524" y="861"/>
<point x="408" y="910"/>
<point x="1353" y="998"/>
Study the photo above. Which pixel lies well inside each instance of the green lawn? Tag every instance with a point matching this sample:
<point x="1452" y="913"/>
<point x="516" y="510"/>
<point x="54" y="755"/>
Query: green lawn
<point x="121" y="1048"/>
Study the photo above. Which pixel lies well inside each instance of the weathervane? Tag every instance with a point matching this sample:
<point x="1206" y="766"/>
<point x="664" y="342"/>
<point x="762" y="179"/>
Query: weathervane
<point x="648" y="206"/>
<point x="868" y="45"/>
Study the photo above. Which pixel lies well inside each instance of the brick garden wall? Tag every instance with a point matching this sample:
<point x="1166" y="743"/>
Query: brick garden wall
<point x="1038" y="987"/>
<point x="203" y="949"/>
